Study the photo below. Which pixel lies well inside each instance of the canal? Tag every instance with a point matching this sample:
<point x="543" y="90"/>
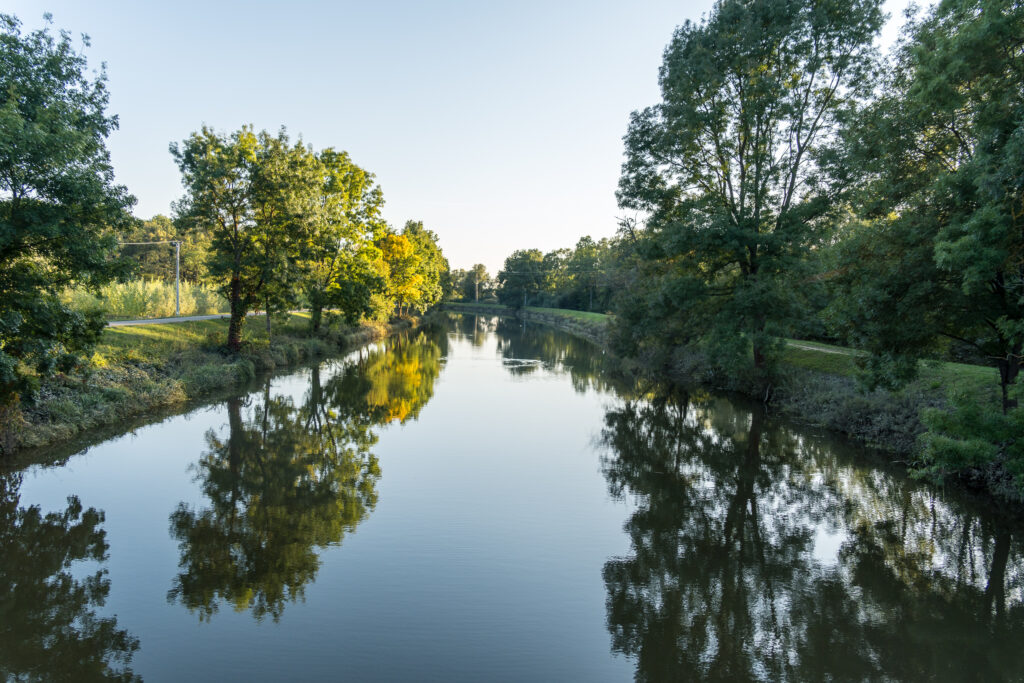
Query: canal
<point x="483" y="500"/>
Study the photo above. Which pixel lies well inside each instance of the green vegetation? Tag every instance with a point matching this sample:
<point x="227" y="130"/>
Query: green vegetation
<point x="140" y="369"/>
<point x="792" y="184"/>
<point x="582" y="278"/>
<point x="265" y="225"/>
<point x="137" y="299"/>
<point x="288" y="227"/>
<point x="60" y="212"/>
<point x="474" y="284"/>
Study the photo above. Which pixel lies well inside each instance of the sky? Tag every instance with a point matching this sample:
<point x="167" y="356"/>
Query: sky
<point x="497" y="124"/>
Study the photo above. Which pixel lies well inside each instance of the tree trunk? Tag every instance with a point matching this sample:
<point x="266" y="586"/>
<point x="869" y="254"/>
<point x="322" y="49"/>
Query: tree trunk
<point x="237" y="316"/>
<point x="267" y="311"/>
<point x="315" y="315"/>
<point x="1009" y="368"/>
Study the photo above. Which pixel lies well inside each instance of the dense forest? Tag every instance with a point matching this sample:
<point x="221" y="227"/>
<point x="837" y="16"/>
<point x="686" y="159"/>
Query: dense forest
<point x="796" y="183"/>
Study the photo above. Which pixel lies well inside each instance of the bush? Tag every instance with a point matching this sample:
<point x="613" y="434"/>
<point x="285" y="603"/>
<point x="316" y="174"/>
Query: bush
<point x="147" y="299"/>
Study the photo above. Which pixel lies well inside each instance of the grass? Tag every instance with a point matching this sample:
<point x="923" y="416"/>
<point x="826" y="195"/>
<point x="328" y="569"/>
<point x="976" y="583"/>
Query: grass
<point x="146" y="368"/>
<point x="146" y="299"/>
<point x="815" y="356"/>
<point x="977" y="380"/>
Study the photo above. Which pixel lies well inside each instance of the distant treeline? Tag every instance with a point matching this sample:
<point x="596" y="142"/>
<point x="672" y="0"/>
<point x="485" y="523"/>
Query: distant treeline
<point x="792" y="182"/>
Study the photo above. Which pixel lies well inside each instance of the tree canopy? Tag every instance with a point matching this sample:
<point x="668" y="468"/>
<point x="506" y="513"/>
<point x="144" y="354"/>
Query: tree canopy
<point x="60" y="209"/>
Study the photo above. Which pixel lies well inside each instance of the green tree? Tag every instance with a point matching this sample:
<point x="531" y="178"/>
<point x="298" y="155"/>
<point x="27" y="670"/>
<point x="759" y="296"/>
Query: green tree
<point x="521" y="278"/>
<point x="254" y="194"/>
<point x="432" y="267"/>
<point x="725" y="168"/>
<point x="341" y="263"/>
<point x="938" y="161"/>
<point x="60" y="211"/>
<point x="156" y="261"/>
<point x="470" y="285"/>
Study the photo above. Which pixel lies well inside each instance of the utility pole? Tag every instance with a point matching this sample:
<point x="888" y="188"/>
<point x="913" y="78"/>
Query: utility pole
<point x="177" y="278"/>
<point x="177" y="268"/>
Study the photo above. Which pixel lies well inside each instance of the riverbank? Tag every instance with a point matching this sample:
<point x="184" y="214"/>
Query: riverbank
<point x="137" y="370"/>
<point x="817" y="386"/>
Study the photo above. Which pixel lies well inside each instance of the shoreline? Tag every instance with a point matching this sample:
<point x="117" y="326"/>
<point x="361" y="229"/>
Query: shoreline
<point x="887" y="422"/>
<point x="146" y="383"/>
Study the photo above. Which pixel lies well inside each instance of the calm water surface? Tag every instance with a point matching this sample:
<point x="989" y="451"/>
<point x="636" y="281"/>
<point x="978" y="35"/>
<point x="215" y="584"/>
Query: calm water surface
<point x="483" y="502"/>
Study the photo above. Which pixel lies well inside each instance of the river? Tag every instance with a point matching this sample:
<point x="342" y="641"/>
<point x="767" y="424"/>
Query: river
<point x="484" y="501"/>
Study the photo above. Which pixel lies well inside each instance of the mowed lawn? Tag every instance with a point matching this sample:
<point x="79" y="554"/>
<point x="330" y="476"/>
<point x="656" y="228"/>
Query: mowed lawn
<point x="155" y="342"/>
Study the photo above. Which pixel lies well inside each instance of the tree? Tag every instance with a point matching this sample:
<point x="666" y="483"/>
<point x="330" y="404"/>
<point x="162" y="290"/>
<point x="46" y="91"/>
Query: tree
<point x="156" y="261"/>
<point x="254" y="194"/>
<point x="725" y="167"/>
<point x="477" y="281"/>
<point x="342" y="266"/>
<point x="403" y="277"/>
<point x="432" y="266"/>
<point x="521" y="278"/>
<point x="938" y="161"/>
<point x="60" y="211"/>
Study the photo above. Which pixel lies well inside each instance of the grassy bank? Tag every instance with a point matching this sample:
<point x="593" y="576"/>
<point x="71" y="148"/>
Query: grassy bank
<point x="148" y="368"/>
<point x="817" y="384"/>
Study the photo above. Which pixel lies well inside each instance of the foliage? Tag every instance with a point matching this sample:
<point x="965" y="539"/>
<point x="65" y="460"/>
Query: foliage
<point x="968" y="439"/>
<point x="937" y="159"/>
<point x="432" y="266"/>
<point x="145" y="299"/>
<point x="521" y="278"/>
<point x="254" y="194"/>
<point x="726" y="169"/>
<point x="342" y="268"/>
<point x="156" y="261"/>
<point x="60" y="211"/>
<point x="582" y="278"/>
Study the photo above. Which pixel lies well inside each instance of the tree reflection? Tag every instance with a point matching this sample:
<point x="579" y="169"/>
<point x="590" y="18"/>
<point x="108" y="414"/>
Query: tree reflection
<point x="49" y="630"/>
<point x="727" y="580"/>
<point x="287" y="481"/>
<point x="472" y="328"/>
<point x="585" y="363"/>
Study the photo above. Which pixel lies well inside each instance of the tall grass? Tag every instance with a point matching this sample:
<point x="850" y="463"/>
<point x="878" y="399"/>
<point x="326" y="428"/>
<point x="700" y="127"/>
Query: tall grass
<point x="147" y="299"/>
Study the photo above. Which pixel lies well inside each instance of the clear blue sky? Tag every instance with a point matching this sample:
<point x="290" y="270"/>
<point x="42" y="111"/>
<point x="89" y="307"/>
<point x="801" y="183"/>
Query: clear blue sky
<point x="497" y="124"/>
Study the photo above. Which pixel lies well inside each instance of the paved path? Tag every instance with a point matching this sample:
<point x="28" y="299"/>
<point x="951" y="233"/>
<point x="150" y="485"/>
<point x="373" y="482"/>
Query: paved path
<point x="808" y="347"/>
<point x="165" y="321"/>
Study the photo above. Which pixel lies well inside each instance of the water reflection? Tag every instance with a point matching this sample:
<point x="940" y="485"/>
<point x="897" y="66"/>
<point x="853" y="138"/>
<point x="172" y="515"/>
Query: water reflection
<point x="761" y="554"/>
<point x="527" y="348"/>
<point x="49" y="630"/>
<point x="472" y="328"/>
<point x="287" y="480"/>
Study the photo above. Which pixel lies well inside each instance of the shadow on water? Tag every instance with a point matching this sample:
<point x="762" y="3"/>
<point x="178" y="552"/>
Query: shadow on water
<point x="49" y="629"/>
<point x="759" y="553"/>
<point x="286" y="480"/>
